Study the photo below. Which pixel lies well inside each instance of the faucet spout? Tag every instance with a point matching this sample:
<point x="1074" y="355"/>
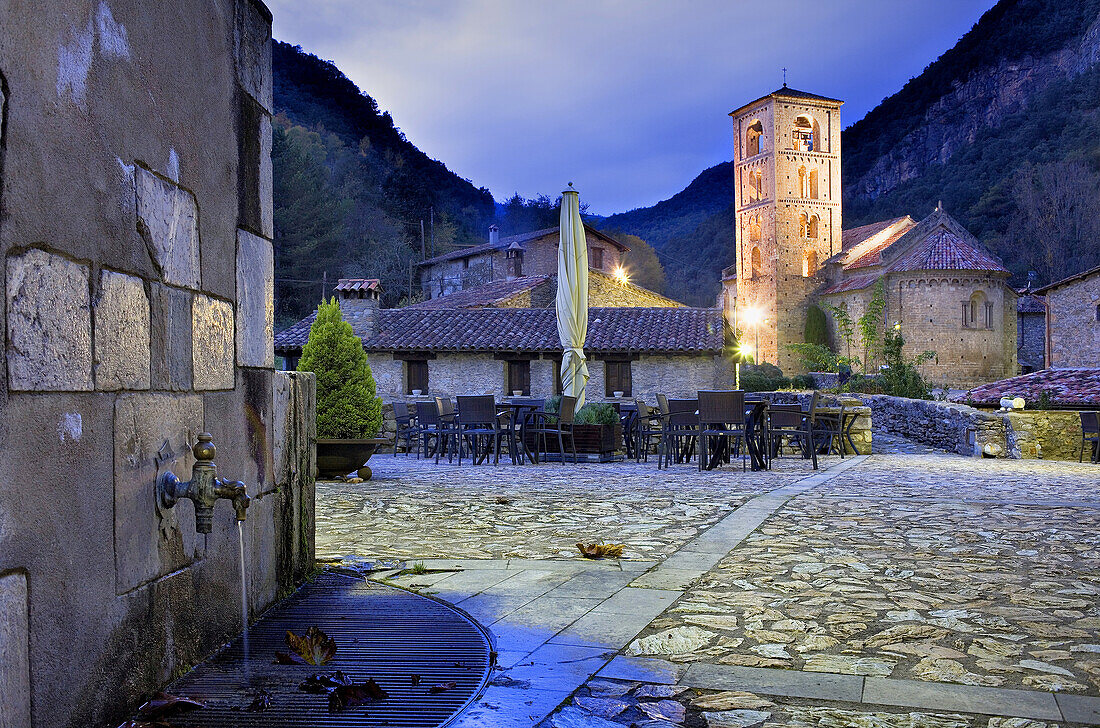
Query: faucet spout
<point x="204" y="489"/>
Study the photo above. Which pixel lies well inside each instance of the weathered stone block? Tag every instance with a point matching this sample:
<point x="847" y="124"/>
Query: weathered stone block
<point x="252" y="38"/>
<point x="168" y="221"/>
<point x="255" y="301"/>
<point x="260" y="551"/>
<point x="170" y="338"/>
<point x="212" y="343"/>
<point x="153" y="433"/>
<point x="15" y="670"/>
<point x="267" y="190"/>
<point x="49" y="323"/>
<point x="121" y="333"/>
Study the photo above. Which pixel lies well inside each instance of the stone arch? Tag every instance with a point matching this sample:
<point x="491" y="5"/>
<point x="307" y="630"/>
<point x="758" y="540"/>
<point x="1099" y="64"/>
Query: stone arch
<point x="757" y="262"/>
<point x="756" y="185"/>
<point x="809" y="262"/>
<point x="811" y="226"/>
<point x="753" y="137"/>
<point x="805" y="134"/>
<point x="754" y="229"/>
<point x="803" y="225"/>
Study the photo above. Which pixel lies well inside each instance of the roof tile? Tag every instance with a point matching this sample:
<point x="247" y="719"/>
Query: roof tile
<point x="1066" y="387"/>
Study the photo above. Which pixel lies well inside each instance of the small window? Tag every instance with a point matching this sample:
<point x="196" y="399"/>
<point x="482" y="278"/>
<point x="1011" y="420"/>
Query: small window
<point x="465" y="263"/>
<point x="596" y="258"/>
<point x="617" y="378"/>
<point x="752" y="139"/>
<point x="754" y="229"/>
<point x="757" y="262"/>
<point x="809" y="263"/>
<point x="811" y="227"/>
<point x="519" y="377"/>
<point x="416" y="376"/>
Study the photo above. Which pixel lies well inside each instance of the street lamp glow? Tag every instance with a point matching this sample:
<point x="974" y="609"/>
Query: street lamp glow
<point x="752" y="316"/>
<point x="621" y="276"/>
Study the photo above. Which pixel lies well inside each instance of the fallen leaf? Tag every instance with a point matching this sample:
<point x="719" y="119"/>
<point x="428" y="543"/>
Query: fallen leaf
<point x="349" y="696"/>
<point x="323" y="682"/>
<point x="155" y="712"/>
<point x="601" y="550"/>
<point x="260" y="703"/>
<point x="313" y="648"/>
<point x="442" y="687"/>
<point x="502" y="501"/>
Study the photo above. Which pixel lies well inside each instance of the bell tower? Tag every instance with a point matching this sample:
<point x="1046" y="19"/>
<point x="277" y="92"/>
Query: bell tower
<point x="788" y="216"/>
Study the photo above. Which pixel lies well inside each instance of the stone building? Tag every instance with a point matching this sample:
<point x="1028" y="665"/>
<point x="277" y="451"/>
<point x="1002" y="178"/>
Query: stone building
<point x="135" y="230"/>
<point x="517" y="256"/>
<point x="945" y="290"/>
<point x="1031" y="331"/>
<point x="472" y="345"/>
<point x="1073" y="320"/>
<point x="788" y="214"/>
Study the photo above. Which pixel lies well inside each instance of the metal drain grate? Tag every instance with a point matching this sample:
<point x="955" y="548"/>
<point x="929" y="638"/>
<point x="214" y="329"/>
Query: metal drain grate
<point x="381" y="633"/>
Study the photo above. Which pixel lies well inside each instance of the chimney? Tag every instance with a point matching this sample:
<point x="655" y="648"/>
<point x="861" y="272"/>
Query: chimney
<point x="494" y="235"/>
<point x="360" y="299"/>
<point x="514" y="255"/>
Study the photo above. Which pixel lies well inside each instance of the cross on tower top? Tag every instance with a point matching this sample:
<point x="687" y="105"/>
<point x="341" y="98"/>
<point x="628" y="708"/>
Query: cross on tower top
<point x="784" y="78"/>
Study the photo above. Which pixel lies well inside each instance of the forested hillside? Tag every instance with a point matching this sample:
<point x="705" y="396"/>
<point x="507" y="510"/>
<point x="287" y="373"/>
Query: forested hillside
<point x="350" y="190"/>
<point x="1004" y="128"/>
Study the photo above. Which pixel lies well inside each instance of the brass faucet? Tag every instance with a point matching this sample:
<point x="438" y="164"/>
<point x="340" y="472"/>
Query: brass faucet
<point x="204" y="488"/>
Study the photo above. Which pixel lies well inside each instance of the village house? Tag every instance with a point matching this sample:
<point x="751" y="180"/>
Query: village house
<point x="518" y="256"/>
<point x="471" y="346"/>
<point x="1031" y="331"/>
<point x="1073" y="320"/>
<point x="943" y="289"/>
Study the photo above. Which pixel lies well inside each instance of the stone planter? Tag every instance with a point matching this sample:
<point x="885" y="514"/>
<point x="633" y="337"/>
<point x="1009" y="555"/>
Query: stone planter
<point x="340" y="457"/>
<point x="591" y="439"/>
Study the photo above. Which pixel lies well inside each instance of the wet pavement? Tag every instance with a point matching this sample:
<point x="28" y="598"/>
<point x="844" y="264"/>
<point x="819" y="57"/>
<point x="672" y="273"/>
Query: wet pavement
<point x="901" y="589"/>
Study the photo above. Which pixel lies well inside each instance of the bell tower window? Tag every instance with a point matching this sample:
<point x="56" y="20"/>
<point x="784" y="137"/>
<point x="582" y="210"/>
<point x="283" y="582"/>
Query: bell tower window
<point x="809" y="263"/>
<point x="757" y="262"/>
<point x="752" y="139"/>
<point x="805" y="134"/>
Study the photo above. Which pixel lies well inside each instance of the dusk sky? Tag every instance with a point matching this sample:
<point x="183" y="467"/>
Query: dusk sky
<point x="627" y="99"/>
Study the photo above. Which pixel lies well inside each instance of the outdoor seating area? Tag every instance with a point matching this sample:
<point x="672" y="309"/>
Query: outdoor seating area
<point x="713" y="429"/>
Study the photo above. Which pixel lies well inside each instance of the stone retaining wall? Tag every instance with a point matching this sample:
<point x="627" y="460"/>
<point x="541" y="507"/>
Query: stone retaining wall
<point x="1048" y="435"/>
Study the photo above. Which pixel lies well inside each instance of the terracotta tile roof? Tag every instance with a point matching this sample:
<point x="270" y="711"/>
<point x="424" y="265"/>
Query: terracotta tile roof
<point x="856" y="235"/>
<point x="944" y="249"/>
<point x="1067" y="387"/>
<point x="854" y="283"/>
<point x="789" y="93"/>
<point x="870" y="252"/>
<point x="1030" y="303"/>
<point x="1076" y="277"/>
<point x="358" y="284"/>
<point x="610" y="331"/>
<point x="484" y="296"/>
<point x="503" y="244"/>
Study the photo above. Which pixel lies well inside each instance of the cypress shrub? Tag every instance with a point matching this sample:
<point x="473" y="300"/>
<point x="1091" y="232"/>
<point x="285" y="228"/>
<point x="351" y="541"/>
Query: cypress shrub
<point x="347" y="407"/>
<point x="817" y="330"/>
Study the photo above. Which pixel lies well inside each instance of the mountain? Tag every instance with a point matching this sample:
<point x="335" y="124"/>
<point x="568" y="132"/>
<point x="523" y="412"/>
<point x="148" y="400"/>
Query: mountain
<point x="351" y="192"/>
<point x="1004" y="128"/>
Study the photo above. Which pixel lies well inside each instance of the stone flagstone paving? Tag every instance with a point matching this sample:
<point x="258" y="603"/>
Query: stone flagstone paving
<point x="413" y="509"/>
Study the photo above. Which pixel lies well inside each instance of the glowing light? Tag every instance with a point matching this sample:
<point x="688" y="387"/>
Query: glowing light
<point x="752" y="316"/>
<point x="621" y="276"/>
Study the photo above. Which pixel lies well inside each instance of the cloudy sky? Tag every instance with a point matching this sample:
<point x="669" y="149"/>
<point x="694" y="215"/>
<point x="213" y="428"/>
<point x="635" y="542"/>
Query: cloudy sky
<point x="626" y="98"/>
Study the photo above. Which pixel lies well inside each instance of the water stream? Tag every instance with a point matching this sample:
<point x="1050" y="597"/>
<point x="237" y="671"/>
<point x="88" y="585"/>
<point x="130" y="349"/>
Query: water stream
<point x="244" y="598"/>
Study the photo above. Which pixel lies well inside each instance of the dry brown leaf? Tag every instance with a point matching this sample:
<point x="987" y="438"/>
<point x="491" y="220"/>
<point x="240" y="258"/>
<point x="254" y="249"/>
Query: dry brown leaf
<point x="313" y="648"/>
<point x="349" y="696"/>
<point x="601" y="550"/>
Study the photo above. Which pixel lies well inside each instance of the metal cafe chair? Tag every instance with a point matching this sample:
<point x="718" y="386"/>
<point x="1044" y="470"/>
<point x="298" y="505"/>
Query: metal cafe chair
<point x="562" y="426"/>
<point x="407" y="429"/>
<point x="680" y="431"/>
<point x="1090" y="433"/>
<point x="477" y="419"/>
<point x="447" y="428"/>
<point x="788" y="421"/>
<point x="646" y="425"/>
<point x="427" y="419"/>
<point x="721" y="417"/>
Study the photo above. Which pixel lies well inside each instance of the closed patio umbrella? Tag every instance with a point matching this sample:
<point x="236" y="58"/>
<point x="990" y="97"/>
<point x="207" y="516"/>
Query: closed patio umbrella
<point x="572" y="298"/>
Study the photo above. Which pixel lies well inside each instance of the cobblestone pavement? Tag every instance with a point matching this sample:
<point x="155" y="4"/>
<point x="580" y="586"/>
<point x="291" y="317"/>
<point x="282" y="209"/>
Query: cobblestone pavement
<point x="413" y="509"/>
<point x="935" y="568"/>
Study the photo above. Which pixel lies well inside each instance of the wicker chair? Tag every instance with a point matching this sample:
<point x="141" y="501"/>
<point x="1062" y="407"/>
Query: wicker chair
<point x="477" y="419"/>
<point x="1090" y="433"/>
<point x="559" y="423"/>
<point x="407" y="429"/>
<point x="646" y="425"/>
<point x="721" y="417"/>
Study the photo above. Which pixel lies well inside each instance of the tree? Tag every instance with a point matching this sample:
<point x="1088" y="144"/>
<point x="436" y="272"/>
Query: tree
<point x="870" y="325"/>
<point x="817" y="327"/>
<point x="642" y="266"/>
<point x="847" y="329"/>
<point x="347" y="405"/>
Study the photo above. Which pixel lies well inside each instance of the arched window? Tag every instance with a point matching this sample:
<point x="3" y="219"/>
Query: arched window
<point x="803" y="225"/>
<point x="977" y="312"/>
<point x="754" y="229"/>
<point x="752" y="139"/>
<point x="812" y="185"/>
<point x="802" y="182"/>
<point x="809" y="262"/>
<point x="804" y="134"/>
<point x="811" y="227"/>
<point x="756" y="186"/>
<point x="757" y="262"/>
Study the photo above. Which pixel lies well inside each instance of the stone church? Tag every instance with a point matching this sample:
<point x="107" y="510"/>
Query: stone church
<point x="943" y="289"/>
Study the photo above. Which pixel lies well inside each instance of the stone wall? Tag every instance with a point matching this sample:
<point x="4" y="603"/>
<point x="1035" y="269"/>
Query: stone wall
<point x="1074" y="322"/>
<point x="1031" y="329"/>
<point x="136" y="312"/>
<point x="1029" y="434"/>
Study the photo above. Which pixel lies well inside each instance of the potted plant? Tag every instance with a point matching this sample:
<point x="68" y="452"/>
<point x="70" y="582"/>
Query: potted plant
<point x="596" y="428"/>
<point x="349" y="414"/>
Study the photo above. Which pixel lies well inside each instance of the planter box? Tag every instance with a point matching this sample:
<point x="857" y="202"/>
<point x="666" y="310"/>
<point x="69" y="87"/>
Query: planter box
<point x="340" y="457"/>
<point x="594" y="439"/>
